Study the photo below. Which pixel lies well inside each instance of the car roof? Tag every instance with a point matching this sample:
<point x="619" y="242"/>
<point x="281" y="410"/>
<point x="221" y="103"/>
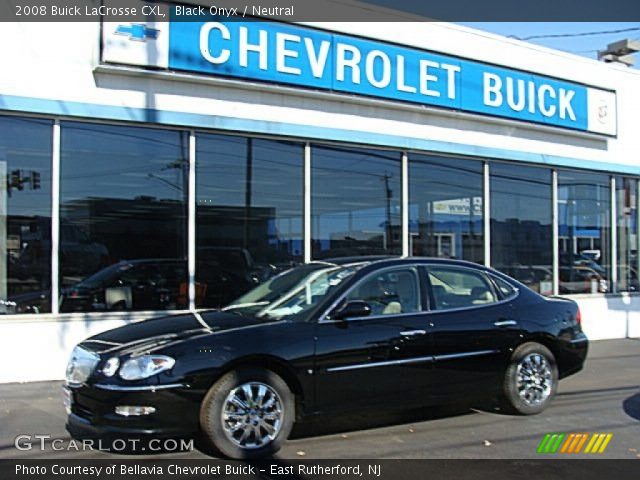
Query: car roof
<point x="356" y="259"/>
<point x="390" y="259"/>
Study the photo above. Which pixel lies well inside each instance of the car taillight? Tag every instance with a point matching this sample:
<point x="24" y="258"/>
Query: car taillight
<point x="578" y="317"/>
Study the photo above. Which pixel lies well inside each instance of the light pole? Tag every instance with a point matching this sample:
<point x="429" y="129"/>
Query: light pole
<point x="620" y="52"/>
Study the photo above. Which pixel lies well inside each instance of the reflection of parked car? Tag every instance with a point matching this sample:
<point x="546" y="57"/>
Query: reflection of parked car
<point x="155" y="284"/>
<point x="568" y="260"/>
<point x="150" y="284"/>
<point x="532" y="276"/>
<point x="78" y="253"/>
<point x="581" y="279"/>
<point x="225" y="274"/>
<point x="228" y="272"/>
<point x="630" y="276"/>
<point x="330" y="337"/>
<point x="29" y="302"/>
<point x="592" y="254"/>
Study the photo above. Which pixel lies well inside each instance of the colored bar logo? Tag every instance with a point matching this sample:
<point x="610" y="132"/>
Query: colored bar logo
<point x="574" y="443"/>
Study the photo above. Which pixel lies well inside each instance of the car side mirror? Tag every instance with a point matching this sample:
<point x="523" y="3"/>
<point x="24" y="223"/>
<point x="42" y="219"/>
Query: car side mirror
<point x="352" y="309"/>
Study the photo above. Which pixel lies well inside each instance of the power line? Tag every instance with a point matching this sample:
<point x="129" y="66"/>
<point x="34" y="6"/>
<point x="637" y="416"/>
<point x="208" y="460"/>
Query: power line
<point x="581" y="34"/>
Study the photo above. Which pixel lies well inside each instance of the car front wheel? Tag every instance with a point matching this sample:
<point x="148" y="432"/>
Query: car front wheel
<point x="531" y="379"/>
<point x="248" y="413"/>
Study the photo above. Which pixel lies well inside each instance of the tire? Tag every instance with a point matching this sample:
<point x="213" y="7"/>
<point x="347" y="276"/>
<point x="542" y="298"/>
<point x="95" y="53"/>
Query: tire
<point x="530" y="394"/>
<point x="227" y="414"/>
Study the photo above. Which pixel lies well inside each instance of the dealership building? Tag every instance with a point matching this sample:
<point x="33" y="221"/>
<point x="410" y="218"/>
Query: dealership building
<point x="155" y="167"/>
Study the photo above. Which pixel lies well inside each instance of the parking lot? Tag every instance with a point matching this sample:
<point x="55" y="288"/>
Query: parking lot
<point x="604" y="397"/>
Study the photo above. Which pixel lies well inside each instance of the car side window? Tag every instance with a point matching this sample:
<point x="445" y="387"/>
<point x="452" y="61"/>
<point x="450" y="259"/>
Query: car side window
<point x="454" y="287"/>
<point x="390" y="292"/>
<point x="506" y="289"/>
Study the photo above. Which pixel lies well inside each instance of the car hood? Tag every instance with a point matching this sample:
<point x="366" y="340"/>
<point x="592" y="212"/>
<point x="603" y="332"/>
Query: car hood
<point x="149" y="335"/>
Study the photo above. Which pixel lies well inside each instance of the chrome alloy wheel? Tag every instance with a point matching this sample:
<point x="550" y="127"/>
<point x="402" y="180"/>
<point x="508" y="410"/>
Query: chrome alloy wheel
<point x="534" y="379"/>
<point x="252" y="415"/>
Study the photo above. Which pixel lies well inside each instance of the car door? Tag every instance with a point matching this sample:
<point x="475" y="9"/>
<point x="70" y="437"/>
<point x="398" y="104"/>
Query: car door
<point x="473" y="326"/>
<point x="382" y="358"/>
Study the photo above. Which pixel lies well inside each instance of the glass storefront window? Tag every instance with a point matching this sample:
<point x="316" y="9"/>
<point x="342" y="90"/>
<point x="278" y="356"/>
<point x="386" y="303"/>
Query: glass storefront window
<point x="627" y="234"/>
<point x="25" y="215"/>
<point x="123" y="216"/>
<point x="446" y="207"/>
<point x="249" y="205"/>
<point x="521" y="224"/>
<point x="584" y="232"/>
<point x="123" y="211"/>
<point x="355" y="204"/>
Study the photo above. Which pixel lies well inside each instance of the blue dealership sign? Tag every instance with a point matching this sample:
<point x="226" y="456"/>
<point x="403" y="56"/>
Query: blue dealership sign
<point x="300" y="56"/>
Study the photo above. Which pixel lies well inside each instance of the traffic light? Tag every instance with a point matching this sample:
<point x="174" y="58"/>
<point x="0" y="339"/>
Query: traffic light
<point x="35" y="180"/>
<point x="16" y="180"/>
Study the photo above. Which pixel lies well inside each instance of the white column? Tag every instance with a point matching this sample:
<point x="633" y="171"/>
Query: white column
<point x="614" y="237"/>
<point x="307" y="204"/>
<point x="4" y="213"/>
<point x="191" y="221"/>
<point x="487" y="215"/>
<point x="637" y="229"/>
<point x="55" y="219"/>
<point x="405" y="205"/>
<point x="554" y="232"/>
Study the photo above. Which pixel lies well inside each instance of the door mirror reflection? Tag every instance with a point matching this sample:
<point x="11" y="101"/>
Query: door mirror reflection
<point x="352" y="309"/>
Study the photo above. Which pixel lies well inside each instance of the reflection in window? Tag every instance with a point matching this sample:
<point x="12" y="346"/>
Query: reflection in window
<point x="248" y="213"/>
<point x="584" y="212"/>
<point x="389" y="293"/>
<point x="25" y="215"/>
<point x="445" y="208"/>
<point x="122" y="218"/>
<point x="459" y="288"/>
<point x="355" y="205"/>
<point x="521" y="230"/>
<point x="506" y="290"/>
<point x="627" y="225"/>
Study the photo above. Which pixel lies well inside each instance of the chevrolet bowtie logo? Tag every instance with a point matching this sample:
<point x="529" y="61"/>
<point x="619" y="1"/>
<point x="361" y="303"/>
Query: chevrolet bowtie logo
<point x="138" y="31"/>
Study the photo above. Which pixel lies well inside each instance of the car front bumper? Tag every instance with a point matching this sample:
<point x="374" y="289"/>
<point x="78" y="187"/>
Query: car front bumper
<point x="91" y="412"/>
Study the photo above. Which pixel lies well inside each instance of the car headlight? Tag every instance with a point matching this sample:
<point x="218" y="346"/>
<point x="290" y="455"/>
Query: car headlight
<point x="145" y="366"/>
<point x="111" y="367"/>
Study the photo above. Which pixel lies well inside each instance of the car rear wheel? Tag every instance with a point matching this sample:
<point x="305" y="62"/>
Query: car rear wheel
<point x="248" y="413"/>
<point x="531" y="379"/>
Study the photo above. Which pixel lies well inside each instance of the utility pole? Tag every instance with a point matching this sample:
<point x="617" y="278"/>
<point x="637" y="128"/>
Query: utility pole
<point x="388" y="193"/>
<point x="247" y="193"/>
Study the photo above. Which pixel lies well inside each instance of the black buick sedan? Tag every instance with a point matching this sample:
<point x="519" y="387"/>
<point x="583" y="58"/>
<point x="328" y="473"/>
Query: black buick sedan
<point x="325" y="338"/>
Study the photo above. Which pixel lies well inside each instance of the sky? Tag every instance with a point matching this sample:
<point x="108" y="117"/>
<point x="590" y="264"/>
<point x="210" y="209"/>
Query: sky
<point x="577" y="43"/>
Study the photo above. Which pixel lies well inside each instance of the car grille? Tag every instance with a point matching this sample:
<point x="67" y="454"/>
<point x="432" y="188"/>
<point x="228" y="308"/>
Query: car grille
<point x="80" y="366"/>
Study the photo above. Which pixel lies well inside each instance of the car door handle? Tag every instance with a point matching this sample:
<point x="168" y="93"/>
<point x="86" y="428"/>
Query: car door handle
<point x="505" y="323"/>
<point x="413" y="333"/>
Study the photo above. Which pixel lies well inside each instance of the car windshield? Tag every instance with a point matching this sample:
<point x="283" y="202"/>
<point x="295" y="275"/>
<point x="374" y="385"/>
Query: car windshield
<point x="292" y="292"/>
